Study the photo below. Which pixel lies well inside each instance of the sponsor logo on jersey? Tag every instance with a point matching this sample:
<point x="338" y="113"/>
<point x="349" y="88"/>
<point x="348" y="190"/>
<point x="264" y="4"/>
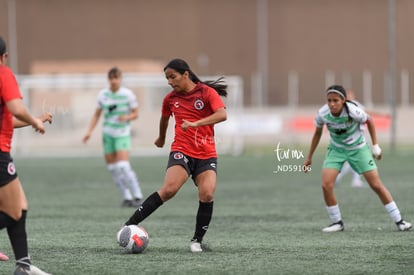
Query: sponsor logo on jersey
<point x="178" y="156"/>
<point x="340" y="131"/>
<point x="176" y="105"/>
<point x="11" y="169"/>
<point x="112" y="107"/>
<point x="199" y="104"/>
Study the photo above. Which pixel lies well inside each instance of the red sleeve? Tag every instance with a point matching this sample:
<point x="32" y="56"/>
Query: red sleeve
<point x="215" y="100"/>
<point x="9" y="88"/>
<point x="166" y="110"/>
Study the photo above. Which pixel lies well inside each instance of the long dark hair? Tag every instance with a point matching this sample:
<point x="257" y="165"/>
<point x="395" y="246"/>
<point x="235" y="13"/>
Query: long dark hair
<point x="340" y="90"/>
<point x="3" y="47"/>
<point x="181" y="66"/>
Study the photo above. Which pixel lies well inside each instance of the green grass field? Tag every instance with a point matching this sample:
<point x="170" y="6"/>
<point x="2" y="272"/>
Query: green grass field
<point x="263" y="223"/>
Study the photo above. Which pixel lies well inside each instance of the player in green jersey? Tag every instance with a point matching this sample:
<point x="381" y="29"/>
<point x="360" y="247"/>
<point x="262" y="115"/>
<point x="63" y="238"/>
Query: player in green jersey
<point x="343" y="120"/>
<point x="119" y="106"/>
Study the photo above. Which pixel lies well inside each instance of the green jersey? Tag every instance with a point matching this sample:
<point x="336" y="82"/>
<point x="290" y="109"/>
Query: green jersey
<point x="345" y="130"/>
<point x="114" y="105"/>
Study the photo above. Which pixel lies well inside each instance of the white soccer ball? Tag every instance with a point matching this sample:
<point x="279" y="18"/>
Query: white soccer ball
<point x="133" y="238"/>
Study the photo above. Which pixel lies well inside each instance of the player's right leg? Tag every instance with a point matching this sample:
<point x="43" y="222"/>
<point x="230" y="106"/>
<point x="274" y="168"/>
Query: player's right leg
<point x="118" y="179"/>
<point x="334" y="160"/>
<point x="13" y="212"/>
<point x="175" y="177"/>
<point x="328" y="181"/>
<point x="131" y="178"/>
<point x="122" y="146"/>
<point x="109" y="144"/>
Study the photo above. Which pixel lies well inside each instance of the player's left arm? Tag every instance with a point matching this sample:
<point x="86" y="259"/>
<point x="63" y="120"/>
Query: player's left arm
<point x="218" y="116"/>
<point x="376" y="150"/>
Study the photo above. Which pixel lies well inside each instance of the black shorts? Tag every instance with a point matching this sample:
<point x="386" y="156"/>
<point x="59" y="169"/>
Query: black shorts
<point x="193" y="166"/>
<point x="7" y="169"/>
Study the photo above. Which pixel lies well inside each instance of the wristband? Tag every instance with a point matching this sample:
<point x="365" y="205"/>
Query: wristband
<point x="376" y="150"/>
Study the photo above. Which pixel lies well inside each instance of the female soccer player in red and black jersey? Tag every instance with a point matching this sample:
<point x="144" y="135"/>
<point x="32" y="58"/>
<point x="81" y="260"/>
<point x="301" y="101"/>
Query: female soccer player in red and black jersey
<point x="196" y="107"/>
<point x="13" y="203"/>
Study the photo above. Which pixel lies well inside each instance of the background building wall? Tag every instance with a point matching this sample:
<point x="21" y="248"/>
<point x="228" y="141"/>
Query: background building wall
<point x="314" y="42"/>
<point x="310" y="38"/>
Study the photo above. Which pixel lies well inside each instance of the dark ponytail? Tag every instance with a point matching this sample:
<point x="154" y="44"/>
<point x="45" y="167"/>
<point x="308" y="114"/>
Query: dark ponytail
<point x="347" y="109"/>
<point x="181" y="66"/>
<point x="218" y="85"/>
<point x="3" y="47"/>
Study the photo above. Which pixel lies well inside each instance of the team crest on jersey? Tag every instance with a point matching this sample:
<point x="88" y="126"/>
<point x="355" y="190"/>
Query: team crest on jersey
<point x="199" y="104"/>
<point x="178" y="156"/>
<point x="11" y="169"/>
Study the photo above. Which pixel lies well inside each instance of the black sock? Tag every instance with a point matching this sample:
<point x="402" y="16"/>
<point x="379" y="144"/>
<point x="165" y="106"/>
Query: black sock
<point x="5" y="220"/>
<point x="204" y="214"/>
<point x="147" y="207"/>
<point x="18" y="240"/>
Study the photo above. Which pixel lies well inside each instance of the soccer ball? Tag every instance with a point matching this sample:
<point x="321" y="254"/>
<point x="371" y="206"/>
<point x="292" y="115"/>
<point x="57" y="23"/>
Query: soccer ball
<point x="133" y="238"/>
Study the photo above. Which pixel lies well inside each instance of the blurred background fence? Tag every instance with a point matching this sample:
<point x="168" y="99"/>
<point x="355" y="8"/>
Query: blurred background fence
<point x="72" y="99"/>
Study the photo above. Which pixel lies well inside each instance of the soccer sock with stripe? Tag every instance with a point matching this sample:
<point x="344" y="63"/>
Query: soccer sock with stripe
<point x="147" y="207"/>
<point x="204" y="214"/>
